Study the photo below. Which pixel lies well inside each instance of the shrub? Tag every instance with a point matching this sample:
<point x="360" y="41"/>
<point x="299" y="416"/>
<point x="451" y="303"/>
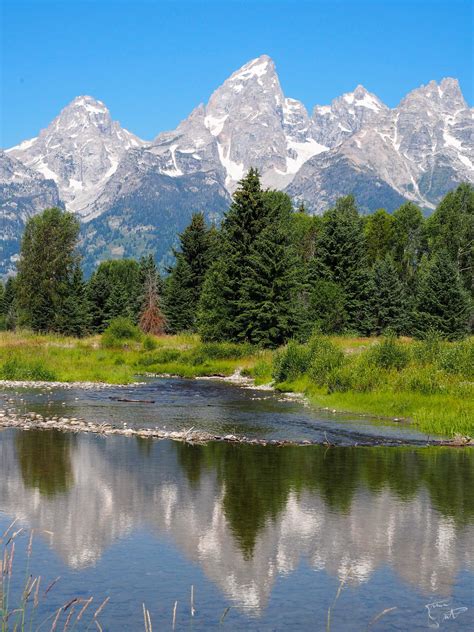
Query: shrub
<point x="389" y="354"/>
<point x="164" y="356"/>
<point x="421" y="380"/>
<point x="20" y="369"/>
<point x="291" y="362"/>
<point x="149" y="343"/>
<point x="359" y="375"/>
<point x="339" y="380"/>
<point x="366" y="376"/>
<point x="428" y="350"/>
<point x="458" y="358"/>
<point x="324" y="358"/>
<point x="120" y="331"/>
<point x="223" y="350"/>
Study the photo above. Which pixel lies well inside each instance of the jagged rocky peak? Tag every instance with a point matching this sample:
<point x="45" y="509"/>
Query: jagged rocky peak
<point x="345" y="116"/>
<point x="445" y="96"/>
<point x="245" y="115"/>
<point x="247" y="122"/>
<point x="79" y="150"/>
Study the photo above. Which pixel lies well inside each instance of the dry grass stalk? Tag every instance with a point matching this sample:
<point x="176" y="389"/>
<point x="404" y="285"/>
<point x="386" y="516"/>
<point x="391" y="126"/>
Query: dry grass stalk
<point x="379" y="616"/>
<point x="174" y="614"/>
<point x="193" y="610"/>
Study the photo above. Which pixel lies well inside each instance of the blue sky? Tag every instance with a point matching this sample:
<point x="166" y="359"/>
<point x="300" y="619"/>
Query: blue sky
<point x="153" y="61"/>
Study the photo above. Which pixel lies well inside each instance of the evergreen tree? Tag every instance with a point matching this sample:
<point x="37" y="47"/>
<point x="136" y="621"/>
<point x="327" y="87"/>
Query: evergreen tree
<point x="9" y="303"/>
<point x="115" y="289"/>
<point x="48" y="260"/>
<point x="327" y="311"/>
<point x="341" y="257"/>
<point x="409" y="241"/>
<point x="268" y="313"/>
<point x="379" y="235"/>
<point x="73" y="316"/>
<point x="388" y="298"/>
<point x="442" y="303"/>
<point x="451" y="228"/>
<point x="184" y="284"/>
<point x="221" y="296"/>
<point x="3" y="319"/>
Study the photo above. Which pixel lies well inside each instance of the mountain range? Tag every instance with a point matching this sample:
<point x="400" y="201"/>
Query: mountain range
<point x="134" y="196"/>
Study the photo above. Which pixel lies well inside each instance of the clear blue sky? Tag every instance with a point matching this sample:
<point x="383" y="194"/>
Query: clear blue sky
<point x="153" y="61"/>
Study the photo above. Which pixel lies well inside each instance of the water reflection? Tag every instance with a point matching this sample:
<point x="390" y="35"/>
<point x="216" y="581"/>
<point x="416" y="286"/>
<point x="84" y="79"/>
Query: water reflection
<point x="247" y="513"/>
<point x="45" y="461"/>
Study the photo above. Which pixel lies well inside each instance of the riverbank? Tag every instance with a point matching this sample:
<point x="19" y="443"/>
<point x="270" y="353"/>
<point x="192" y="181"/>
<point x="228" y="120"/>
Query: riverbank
<point x="431" y="384"/>
<point x="34" y="421"/>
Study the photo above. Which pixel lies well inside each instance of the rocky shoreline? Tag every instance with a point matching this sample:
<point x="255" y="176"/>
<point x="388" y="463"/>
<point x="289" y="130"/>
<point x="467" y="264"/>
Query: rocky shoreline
<point x="9" y="418"/>
<point x="87" y="386"/>
<point x="33" y="421"/>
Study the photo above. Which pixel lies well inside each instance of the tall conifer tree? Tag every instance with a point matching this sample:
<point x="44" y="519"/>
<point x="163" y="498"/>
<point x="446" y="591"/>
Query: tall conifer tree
<point x="48" y="261"/>
<point x="184" y="284"/>
<point x="442" y="303"/>
<point x="388" y="299"/>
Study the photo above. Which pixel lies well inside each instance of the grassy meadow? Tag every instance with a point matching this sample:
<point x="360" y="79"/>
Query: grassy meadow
<point x="431" y="383"/>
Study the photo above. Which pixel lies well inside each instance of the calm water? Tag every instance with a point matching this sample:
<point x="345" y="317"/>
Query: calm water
<point x="269" y="532"/>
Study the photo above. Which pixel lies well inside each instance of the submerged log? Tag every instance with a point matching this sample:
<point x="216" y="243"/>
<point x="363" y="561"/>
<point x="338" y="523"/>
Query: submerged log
<point x="133" y="401"/>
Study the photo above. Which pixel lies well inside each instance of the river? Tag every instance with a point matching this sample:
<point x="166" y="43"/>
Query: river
<point x="266" y="535"/>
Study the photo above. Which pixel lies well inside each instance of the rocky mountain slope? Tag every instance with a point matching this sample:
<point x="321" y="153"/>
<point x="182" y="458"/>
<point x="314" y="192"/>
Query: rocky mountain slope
<point x="23" y="192"/>
<point x="133" y="194"/>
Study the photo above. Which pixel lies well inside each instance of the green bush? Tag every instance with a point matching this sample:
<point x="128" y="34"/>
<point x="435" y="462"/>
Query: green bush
<point x="291" y="362"/>
<point x="222" y="351"/>
<point x="339" y="380"/>
<point x="389" y="354"/>
<point x="163" y="356"/>
<point x="149" y="343"/>
<point x="458" y="358"/>
<point x="324" y="358"/>
<point x="428" y="350"/>
<point x="422" y="380"/>
<point x="120" y="330"/>
<point x="20" y="369"/>
<point x="360" y="375"/>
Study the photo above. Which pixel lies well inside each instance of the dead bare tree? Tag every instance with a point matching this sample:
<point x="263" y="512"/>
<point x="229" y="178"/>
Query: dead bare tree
<point x="152" y="320"/>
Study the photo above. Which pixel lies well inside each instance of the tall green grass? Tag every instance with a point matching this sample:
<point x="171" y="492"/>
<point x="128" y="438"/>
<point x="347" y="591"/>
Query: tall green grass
<point x="430" y="382"/>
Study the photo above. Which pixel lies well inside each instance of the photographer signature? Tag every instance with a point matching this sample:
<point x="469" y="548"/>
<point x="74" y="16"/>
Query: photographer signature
<point x="439" y="611"/>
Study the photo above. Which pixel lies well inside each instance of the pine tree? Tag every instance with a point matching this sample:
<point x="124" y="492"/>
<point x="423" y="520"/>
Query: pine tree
<point x="9" y="303"/>
<point x="184" y="284"/>
<point x="115" y="289"/>
<point x="220" y="305"/>
<point x="442" y="303"/>
<point x="451" y="228"/>
<point x="341" y="257"/>
<point x="46" y="267"/>
<point x="409" y="241"/>
<point x="179" y="307"/>
<point x="388" y="299"/>
<point x="3" y="319"/>
<point x="327" y="307"/>
<point x="268" y="313"/>
<point x="379" y="235"/>
<point x="72" y="318"/>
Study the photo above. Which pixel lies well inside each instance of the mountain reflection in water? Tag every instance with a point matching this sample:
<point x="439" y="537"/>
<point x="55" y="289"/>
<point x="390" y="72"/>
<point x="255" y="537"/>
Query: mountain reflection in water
<point x="247" y="514"/>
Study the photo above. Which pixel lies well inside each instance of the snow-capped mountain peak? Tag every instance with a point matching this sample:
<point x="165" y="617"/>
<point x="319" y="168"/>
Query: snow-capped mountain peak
<point x="79" y="150"/>
<point x="346" y="115"/>
<point x="418" y="150"/>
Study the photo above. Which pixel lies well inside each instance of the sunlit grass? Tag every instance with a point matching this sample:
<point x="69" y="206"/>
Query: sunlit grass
<point x="433" y="388"/>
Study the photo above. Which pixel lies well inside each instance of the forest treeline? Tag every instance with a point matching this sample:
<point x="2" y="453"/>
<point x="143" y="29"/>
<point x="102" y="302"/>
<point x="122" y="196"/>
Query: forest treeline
<point x="266" y="275"/>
